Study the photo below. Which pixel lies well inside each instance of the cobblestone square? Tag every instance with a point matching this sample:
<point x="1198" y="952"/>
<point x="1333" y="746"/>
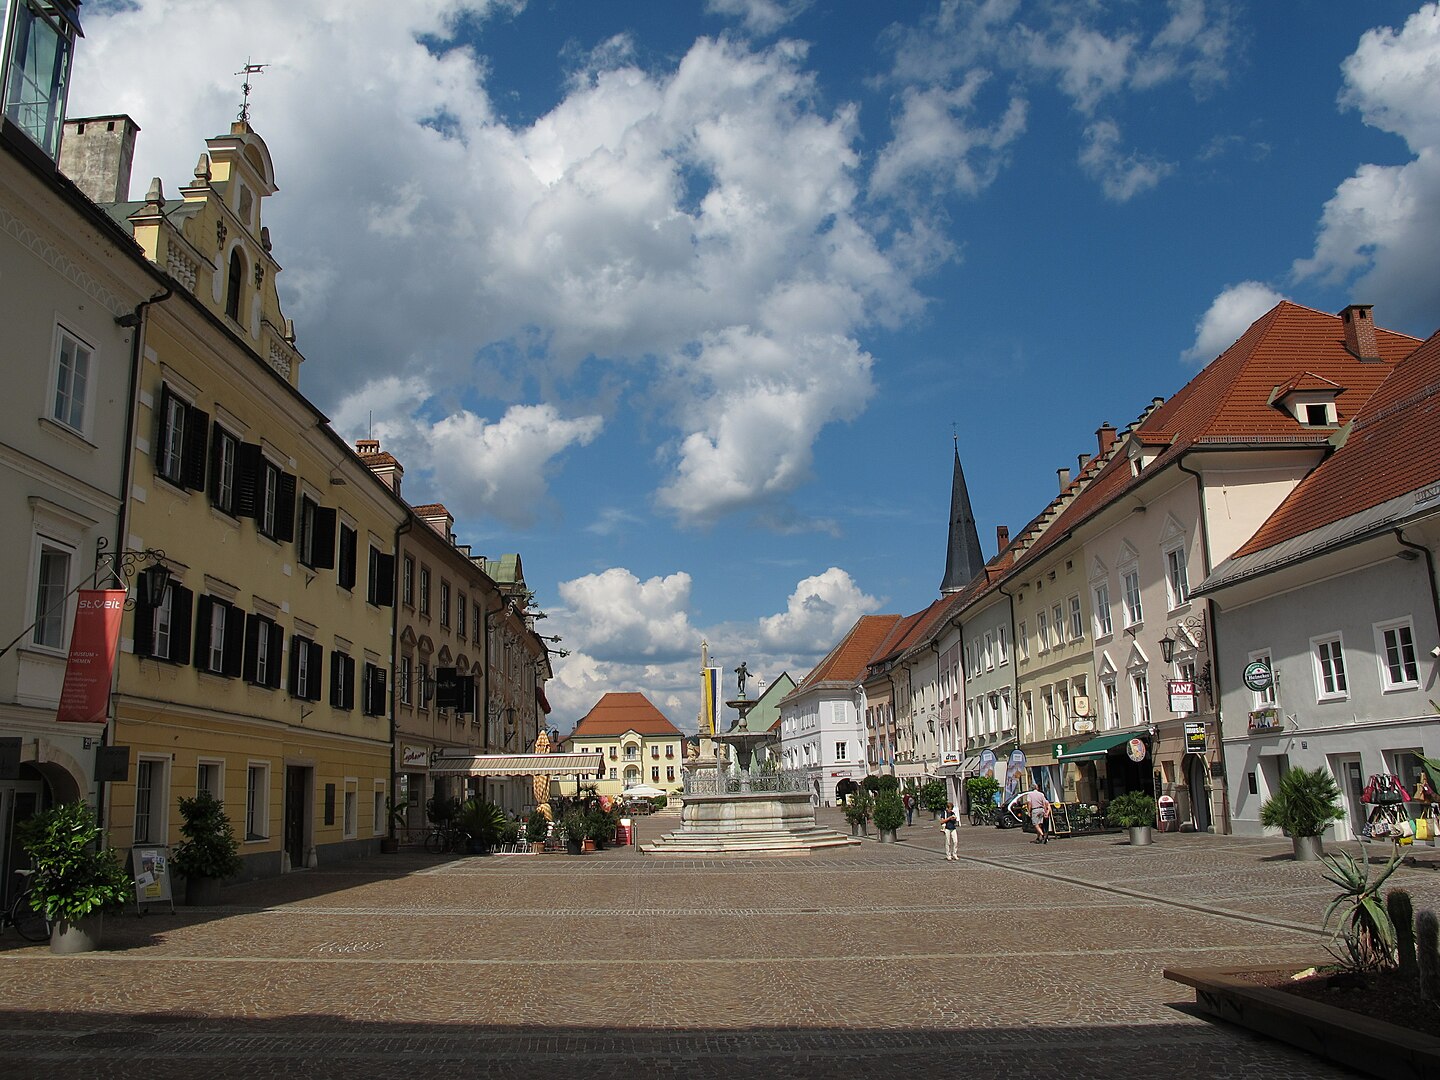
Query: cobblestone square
<point x="1018" y="961"/>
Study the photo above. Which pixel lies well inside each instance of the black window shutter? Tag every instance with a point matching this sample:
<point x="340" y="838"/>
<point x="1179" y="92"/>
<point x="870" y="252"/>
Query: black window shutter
<point x="197" y="437"/>
<point x="317" y="661"/>
<point x="384" y="578"/>
<point x="337" y="674"/>
<point x="277" y="649"/>
<point x="348" y="543"/>
<point x="375" y="690"/>
<point x="296" y="644"/>
<point x="254" y="625"/>
<point x="247" y="479"/>
<point x="217" y="437"/>
<point x="144" y="630"/>
<point x="181" y="601"/>
<point x="234" y="640"/>
<point x="349" y="687"/>
<point x="285" y="509"/>
<point x="162" y="431"/>
<point x="202" y="632"/>
<point x="322" y="547"/>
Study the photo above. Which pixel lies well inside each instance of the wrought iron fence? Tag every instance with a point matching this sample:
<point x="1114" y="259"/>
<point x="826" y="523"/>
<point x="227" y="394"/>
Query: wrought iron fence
<point x="724" y="783"/>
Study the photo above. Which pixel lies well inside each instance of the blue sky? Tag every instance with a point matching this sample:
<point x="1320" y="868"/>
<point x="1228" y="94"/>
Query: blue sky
<point x="683" y="301"/>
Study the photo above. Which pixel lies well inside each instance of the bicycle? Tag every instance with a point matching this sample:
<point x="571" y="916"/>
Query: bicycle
<point x="984" y="813"/>
<point x="444" y="837"/>
<point x="29" y="923"/>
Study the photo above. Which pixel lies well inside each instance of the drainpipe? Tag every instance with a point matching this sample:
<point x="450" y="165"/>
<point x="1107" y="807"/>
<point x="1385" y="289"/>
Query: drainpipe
<point x="1223" y="818"/>
<point x="135" y="322"/>
<point x="1430" y="564"/>
<point x="400" y="531"/>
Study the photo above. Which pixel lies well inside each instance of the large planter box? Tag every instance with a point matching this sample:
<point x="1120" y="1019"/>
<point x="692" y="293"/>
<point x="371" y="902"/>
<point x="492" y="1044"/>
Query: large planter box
<point x="1358" y="1042"/>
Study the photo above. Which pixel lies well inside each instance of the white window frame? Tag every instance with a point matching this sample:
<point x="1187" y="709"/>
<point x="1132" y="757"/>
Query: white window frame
<point x="1324" y="652"/>
<point x="350" y="809"/>
<point x="1002" y="650"/>
<point x="1057" y="625"/>
<point x="1042" y="631"/>
<point x="377" y="800"/>
<point x="1104" y="625"/>
<point x="1177" y="575"/>
<point x="1131" y="603"/>
<point x="226" y="450"/>
<point x="988" y="650"/>
<point x="1140" y="695"/>
<point x="65" y="400"/>
<point x="157" y="825"/>
<point x="267" y="508"/>
<point x="218" y="764"/>
<point x="170" y="464"/>
<point x="257" y="802"/>
<point x="1110" y="701"/>
<point x="1077" y="619"/>
<point x="1022" y="642"/>
<point x="49" y="604"/>
<point x="405" y="670"/>
<point x="1388" y="683"/>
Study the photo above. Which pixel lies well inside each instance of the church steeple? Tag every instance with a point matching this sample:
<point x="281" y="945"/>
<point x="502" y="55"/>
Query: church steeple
<point x="963" y="559"/>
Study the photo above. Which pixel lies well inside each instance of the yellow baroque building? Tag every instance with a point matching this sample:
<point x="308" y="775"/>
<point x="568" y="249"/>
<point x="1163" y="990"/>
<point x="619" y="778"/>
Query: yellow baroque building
<point x="261" y="675"/>
<point x="640" y="746"/>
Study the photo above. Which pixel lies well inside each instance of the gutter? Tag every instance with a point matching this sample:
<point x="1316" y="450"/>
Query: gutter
<point x="1430" y="565"/>
<point x="400" y="530"/>
<point x="135" y="322"/>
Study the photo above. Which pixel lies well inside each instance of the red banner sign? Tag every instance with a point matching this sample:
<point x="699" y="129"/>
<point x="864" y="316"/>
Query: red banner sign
<point x="85" y="697"/>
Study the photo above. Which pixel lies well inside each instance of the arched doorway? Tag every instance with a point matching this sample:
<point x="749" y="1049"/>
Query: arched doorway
<point x="1199" y="797"/>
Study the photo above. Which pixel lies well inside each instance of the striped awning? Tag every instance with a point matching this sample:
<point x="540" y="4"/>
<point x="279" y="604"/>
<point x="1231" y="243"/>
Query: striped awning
<point x="520" y="765"/>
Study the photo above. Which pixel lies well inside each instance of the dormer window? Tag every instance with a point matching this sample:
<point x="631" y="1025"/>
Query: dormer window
<point x="1310" y="399"/>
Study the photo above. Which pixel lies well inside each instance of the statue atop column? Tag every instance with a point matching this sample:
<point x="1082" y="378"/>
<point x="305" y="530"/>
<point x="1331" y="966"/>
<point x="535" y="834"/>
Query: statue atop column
<point x="741" y="674"/>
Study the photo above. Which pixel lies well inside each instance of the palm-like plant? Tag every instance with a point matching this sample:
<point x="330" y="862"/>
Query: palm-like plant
<point x="1305" y="802"/>
<point x="1365" y="928"/>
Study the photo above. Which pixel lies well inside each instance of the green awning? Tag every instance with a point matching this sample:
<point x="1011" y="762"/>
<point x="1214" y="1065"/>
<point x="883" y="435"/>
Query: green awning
<point x="1096" y="747"/>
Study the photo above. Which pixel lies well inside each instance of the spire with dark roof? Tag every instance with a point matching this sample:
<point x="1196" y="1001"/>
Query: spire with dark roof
<point x="962" y="556"/>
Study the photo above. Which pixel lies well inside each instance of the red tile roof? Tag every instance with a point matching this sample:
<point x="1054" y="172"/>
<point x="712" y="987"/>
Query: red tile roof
<point x="1228" y="403"/>
<point x="845" y="663"/>
<point x="615" y="714"/>
<point x="1392" y="448"/>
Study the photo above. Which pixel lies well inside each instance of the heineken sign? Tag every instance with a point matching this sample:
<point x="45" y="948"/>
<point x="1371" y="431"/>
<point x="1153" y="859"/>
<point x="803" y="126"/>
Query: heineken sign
<point x="1258" y="676"/>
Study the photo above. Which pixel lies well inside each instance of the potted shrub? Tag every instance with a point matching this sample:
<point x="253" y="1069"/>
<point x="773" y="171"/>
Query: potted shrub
<point x="1305" y="802"/>
<point x="1135" y="811"/>
<point x="209" y="853"/>
<point x="76" y="879"/>
<point x="398" y="816"/>
<point x="573" y="828"/>
<point x="871" y="783"/>
<point x="484" y="822"/>
<point x="857" y="811"/>
<point x="889" y="815"/>
<point x="537" y="827"/>
<point x="933" y="797"/>
<point x="888" y="784"/>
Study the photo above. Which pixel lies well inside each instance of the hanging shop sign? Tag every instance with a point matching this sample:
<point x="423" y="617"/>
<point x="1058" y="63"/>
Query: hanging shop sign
<point x="1263" y="721"/>
<point x="1258" y="676"/>
<point x="1196" y="740"/>
<point x="1182" y="695"/>
<point x="1083" y="726"/>
<point x="1136" y="750"/>
<point x="949" y="757"/>
<point x="413" y="756"/>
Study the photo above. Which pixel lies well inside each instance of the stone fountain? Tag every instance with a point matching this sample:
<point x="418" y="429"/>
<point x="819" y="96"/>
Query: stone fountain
<point x="731" y="806"/>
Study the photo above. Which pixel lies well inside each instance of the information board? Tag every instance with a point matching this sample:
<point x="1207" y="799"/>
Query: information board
<point x="150" y="867"/>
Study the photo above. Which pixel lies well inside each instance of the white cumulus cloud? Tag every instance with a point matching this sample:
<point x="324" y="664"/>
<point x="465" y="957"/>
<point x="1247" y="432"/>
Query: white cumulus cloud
<point x="1377" y="233"/>
<point x="1229" y="315"/>
<point x="617" y="617"/>
<point x="819" y="612"/>
<point x="1121" y="175"/>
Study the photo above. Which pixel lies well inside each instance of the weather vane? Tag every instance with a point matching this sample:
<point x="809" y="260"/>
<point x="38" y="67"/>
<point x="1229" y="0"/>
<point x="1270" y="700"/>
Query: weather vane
<point x="248" y="70"/>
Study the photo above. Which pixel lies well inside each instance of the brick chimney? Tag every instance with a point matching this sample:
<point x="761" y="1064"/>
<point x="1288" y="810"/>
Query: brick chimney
<point x="96" y="153"/>
<point x="1359" y="323"/>
<point x="1105" y="438"/>
<point x="1002" y="537"/>
<point x="386" y="469"/>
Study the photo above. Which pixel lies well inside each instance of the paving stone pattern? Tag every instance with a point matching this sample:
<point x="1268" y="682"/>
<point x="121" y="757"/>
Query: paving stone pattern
<point x="1018" y="961"/>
